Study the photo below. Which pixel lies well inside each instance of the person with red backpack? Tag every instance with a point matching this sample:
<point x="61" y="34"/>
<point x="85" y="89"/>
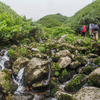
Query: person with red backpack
<point x="83" y="31"/>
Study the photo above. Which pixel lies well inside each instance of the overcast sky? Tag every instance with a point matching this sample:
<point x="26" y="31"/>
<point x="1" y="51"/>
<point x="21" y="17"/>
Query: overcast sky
<point x="37" y="9"/>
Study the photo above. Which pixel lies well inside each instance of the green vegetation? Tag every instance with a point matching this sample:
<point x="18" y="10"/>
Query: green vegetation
<point x="89" y="14"/>
<point x="52" y="20"/>
<point x="14" y="28"/>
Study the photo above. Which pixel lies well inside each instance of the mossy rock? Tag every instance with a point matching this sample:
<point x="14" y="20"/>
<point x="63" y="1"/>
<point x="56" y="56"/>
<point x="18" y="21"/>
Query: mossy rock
<point x="75" y="84"/>
<point x="64" y="96"/>
<point x="81" y="59"/>
<point x="54" y="83"/>
<point x="87" y="70"/>
<point x="97" y="61"/>
<point x="7" y="85"/>
<point x="64" y="76"/>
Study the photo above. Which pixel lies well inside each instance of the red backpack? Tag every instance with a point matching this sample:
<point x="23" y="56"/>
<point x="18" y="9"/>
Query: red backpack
<point x="84" y="28"/>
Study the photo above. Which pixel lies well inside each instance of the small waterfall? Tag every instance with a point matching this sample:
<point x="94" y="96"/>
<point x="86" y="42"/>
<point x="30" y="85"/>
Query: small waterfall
<point x="3" y="58"/>
<point x="41" y="41"/>
<point x="53" y="51"/>
<point x="19" y="80"/>
<point x="36" y="97"/>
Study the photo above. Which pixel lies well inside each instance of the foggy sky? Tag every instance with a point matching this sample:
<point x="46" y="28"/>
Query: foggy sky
<point x="37" y="9"/>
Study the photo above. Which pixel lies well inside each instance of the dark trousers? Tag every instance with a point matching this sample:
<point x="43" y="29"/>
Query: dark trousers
<point x="83" y="34"/>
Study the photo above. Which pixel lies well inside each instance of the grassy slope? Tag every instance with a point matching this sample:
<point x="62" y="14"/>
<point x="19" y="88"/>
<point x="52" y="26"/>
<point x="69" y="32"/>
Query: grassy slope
<point x="52" y="20"/>
<point x="89" y="14"/>
<point x="6" y="9"/>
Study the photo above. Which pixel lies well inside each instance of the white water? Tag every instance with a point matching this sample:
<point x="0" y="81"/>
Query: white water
<point x="19" y="81"/>
<point x="3" y="58"/>
<point x="41" y="41"/>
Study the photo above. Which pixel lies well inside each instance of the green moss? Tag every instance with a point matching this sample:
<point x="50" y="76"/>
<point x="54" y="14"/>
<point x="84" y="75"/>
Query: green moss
<point x="76" y="83"/>
<point x="90" y="82"/>
<point x="87" y="70"/>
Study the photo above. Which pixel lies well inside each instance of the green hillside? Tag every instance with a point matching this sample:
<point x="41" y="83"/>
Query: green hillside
<point x="52" y="20"/>
<point x="6" y="9"/>
<point x="14" y="28"/>
<point x="89" y="14"/>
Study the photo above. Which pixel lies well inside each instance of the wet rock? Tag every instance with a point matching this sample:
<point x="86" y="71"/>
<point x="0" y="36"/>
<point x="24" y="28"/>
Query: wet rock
<point x="59" y="54"/>
<point x="88" y="93"/>
<point x="64" y="96"/>
<point x="40" y="84"/>
<point x="81" y="59"/>
<point x="68" y="46"/>
<point x="8" y="64"/>
<point x="62" y="38"/>
<point x="2" y="53"/>
<point x="19" y="97"/>
<point x="0" y="67"/>
<point x="79" y="41"/>
<point x="35" y="50"/>
<point x="94" y="77"/>
<point x="76" y="53"/>
<point x="87" y="70"/>
<point x="75" y="83"/>
<point x="64" y="61"/>
<point x="35" y="71"/>
<point x="13" y="47"/>
<point x="7" y="85"/>
<point x="18" y="64"/>
<point x="91" y="55"/>
<point x="97" y="61"/>
<point x="75" y="64"/>
<point x="1" y="96"/>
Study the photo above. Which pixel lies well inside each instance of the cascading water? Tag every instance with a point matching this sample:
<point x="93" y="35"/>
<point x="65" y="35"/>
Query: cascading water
<point x="3" y="58"/>
<point x="19" y="80"/>
<point x="41" y="41"/>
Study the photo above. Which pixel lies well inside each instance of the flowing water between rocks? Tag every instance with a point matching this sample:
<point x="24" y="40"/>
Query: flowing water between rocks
<point x="19" y="78"/>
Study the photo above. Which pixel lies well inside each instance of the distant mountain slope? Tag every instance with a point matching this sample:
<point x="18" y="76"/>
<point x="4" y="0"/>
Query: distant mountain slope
<point x="89" y="14"/>
<point x="6" y="9"/>
<point x="52" y="20"/>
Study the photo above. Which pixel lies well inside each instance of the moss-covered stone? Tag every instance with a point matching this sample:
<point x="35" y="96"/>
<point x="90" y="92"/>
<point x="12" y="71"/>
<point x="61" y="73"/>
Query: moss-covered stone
<point x="87" y="70"/>
<point x="81" y="59"/>
<point x="6" y="83"/>
<point x="97" y="61"/>
<point x="76" y="83"/>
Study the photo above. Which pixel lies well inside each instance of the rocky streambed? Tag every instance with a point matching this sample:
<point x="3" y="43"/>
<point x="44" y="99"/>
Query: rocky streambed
<point x="61" y="72"/>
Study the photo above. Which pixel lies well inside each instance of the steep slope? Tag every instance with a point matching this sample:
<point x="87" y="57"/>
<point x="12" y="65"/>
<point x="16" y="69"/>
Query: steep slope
<point x="6" y="9"/>
<point x="89" y="14"/>
<point x="52" y="20"/>
<point x="13" y="27"/>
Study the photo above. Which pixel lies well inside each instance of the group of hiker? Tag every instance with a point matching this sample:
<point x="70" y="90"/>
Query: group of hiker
<point x="94" y="29"/>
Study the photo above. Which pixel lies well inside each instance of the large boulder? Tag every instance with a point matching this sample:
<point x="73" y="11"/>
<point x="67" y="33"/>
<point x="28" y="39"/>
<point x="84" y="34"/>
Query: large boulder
<point x="59" y="54"/>
<point x="7" y="85"/>
<point x="76" y="83"/>
<point x="88" y="93"/>
<point x="64" y="61"/>
<point x="36" y="71"/>
<point x="18" y="64"/>
<point x="94" y="77"/>
<point x="75" y="64"/>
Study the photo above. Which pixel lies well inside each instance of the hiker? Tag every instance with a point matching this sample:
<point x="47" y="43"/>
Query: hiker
<point x="95" y="32"/>
<point x="91" y="30"/>
<point x="83" y="31"/>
